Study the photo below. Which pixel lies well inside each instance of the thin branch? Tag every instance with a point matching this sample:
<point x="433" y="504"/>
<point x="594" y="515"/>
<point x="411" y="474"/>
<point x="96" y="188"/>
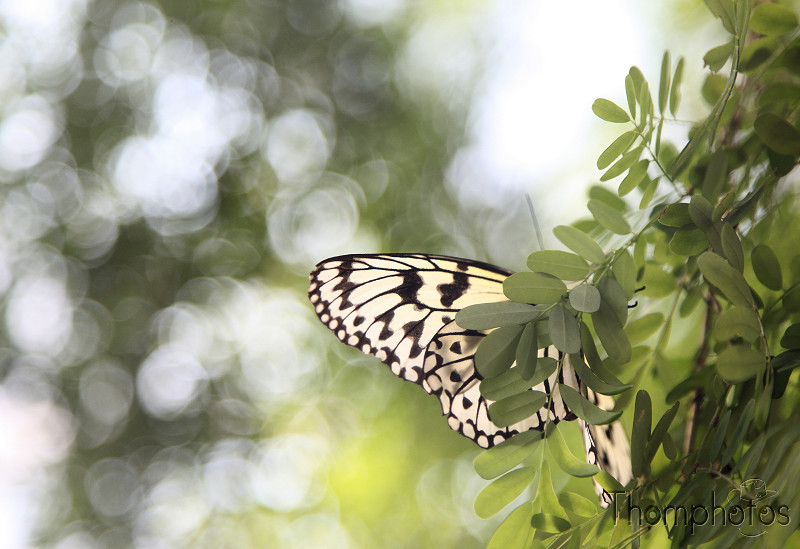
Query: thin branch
<point x="712" y="306"/>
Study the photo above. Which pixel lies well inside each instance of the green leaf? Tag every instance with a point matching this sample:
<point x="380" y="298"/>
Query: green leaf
<point x="773" y="19"/>
<point x="720" y="435"/>
<point x="613" y="338"/>
<point x="552" y="524"/>
<point x="732" y="247"/>
<point x="724" y="10"/>
<point x="592" y="358"/>
<point x="737" y="322"/>
<point x="497" y="351"/>
<point x="786" y="361"/>
<point x="739" y="363"/>
<point x="624" y="271"/>
<point x="660" y="432"/>
<point x="604" y="195"/>
<point x="515" y="408"/>
<point x="584" y="298"/>
<point x="609" y="483"/>
<point x="716" y="57"/>
<point x="576" y="504"/>
<point x="657" y="282"/>
<point x="608" y="217"/>
<point x="511" y="383"/>
<point x="628" y="159"/>
<point x="527" y="351"/>
<point x="777" y="134"/>
<point x="564" y="330"/>
<point x="593" y="381"/>
<point x="619" y="146"/>
<point x="563" y="265"/>
<point x="609" y="111"/>
<point x="516" y="530"/>
<point x="614" y="297"/>
<point x="635" y="176"/>
<point x="645" y="102"/>
<point x="716" y="175"/>
<point x="630" y="95"/>
<point x="738" y="433"/>
<point x="638" y="80"/>
<point x="503" y="491"/>
<point x="545" y="495"/>
<point x="791" y="337"/>
<point x="580" y="243"/>
<point x="663" y="83"/>
<point x="676" y="215"/>
<point x="675" y="93"/>
<point x="688" y="242"/>
<point x="508" y="454"/>
<point x="642" y="421"/>
<point x="566" y="461"/>
<point x="642" y="328"/>
<point x="533" y="288"/>
<point x="718" y="272"/>
<point x="767" y="267"/>
<point x="700" y="210"/>
<point x="484" y="316"/>
<point x="585" y="409"/>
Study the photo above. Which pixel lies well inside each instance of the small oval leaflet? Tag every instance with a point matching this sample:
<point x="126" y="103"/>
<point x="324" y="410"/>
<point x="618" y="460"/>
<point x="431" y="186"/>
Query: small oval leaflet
<point x="564" y="330"/>
<point x="609" y="111"/>
<point x="730" y="281"/>
<point x="773" y="19"/>
<point x="510" y="382"/>
<point x="533" y="288"/>
<point x="739" y="363"/>
<point x="767" y="267"/>
<point x="484" y="316"/>
<point x="676" y="215"/>
<point x="688" y="242"/>
<point x="737" y="322"/>
<point x="608" y="217"/>
<point x="496" y="352"/>
<point x="620" y="145"/>
<point x="503" y="491"/>
<point x="778" y="134"/>
<point x="515" y="529"/>
<point x="517" y="407"/>
<point x="585" y="409"/>
<point x="580" y="243"/>
<point x="527" y="351"/>
<point x="566" y="461"/>
<point x="558" y="263"/>
<point x="507" y="455"/>
<point x="585" y="298"/>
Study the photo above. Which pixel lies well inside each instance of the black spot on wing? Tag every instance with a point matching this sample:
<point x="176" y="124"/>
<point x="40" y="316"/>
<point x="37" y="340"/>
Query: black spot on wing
<point x="409" y="287"/>
<point x="413" y="331"/>
<point x="452" y="291"/>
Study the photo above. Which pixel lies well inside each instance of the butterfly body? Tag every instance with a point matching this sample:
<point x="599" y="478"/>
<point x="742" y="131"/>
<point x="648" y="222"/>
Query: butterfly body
<point x="401" y="308"/>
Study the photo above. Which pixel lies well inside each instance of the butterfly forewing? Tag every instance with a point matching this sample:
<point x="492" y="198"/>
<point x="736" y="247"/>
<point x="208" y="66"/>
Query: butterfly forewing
<point x="401" y="308"/>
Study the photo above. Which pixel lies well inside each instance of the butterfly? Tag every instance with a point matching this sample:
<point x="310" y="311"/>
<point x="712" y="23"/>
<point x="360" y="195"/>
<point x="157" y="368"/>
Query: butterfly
<point x="401" y="308"/>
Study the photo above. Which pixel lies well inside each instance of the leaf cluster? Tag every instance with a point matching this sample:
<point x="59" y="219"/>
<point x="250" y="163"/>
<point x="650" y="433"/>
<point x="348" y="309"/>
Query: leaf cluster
<point x="696" y="246"/>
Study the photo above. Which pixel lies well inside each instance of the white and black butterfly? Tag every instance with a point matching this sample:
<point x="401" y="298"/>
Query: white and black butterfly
<point x="401" y="308"/>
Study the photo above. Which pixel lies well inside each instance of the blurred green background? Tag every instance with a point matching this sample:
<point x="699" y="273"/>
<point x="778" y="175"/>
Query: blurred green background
<point x="170" y="172"/>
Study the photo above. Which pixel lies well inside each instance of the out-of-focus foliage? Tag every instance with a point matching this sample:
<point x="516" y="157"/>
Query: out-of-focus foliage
<point x="169" y="174"/>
